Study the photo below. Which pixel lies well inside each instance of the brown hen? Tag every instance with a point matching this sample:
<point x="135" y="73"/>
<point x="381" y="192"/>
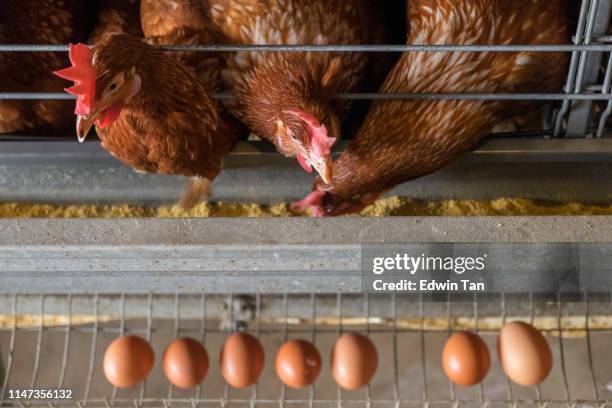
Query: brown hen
<point x="287" y="98"/>
<point x="403" y="140"/>
<point x="36" y="22"/>
<point x="150" y="110"/>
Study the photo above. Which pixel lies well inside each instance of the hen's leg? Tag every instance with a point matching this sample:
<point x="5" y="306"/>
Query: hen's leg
<point x="195" y="190"/>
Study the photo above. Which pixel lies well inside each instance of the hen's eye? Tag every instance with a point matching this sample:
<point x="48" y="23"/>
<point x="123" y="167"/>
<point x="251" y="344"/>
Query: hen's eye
<point x="112" y="86"/>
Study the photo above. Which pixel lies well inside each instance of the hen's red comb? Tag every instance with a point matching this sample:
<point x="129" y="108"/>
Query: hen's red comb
<point x="83" y="73"/>
<point x="319" y="140"/>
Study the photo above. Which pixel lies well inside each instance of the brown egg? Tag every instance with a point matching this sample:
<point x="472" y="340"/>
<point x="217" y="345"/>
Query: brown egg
<point x="466" y="359"/>
<point x="354" y="361"/>
<point x="242" y="360"/>
<point x="185" y="362"/>
<point x="524" y="353"/>
<point x="127" y="361"/>
<point x="298" y="363"/>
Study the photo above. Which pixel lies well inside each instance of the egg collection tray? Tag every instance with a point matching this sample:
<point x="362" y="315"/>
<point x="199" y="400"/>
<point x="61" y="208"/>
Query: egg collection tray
<point x="58" y="342"/>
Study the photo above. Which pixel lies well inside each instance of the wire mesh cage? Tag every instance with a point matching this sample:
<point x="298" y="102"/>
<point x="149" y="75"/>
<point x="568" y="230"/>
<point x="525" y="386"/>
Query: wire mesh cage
<point x="557" y="132"/>
<point x="582" y="108"/>
<point x="57" y="342"/>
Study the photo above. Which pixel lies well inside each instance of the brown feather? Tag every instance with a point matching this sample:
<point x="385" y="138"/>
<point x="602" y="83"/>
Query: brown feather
<point x="188" y="22"/>
<point x="55" y="22"/>
<point x="171" y="126"/>
<point x="117" y="17"/>
<point x="402" y="140"/>
<point x="267" y="83"/>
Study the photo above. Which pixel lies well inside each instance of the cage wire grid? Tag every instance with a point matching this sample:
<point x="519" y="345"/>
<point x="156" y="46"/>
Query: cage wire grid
<point x="111" y="315"/>
<point x="393" y="322"/>
<point x="584" y="85"/>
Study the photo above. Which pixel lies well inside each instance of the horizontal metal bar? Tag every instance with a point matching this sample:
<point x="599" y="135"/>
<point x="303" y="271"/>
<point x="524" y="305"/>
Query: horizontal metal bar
<point x="476" y="97"/>
<point x="503" y="149"/>
<point x="68" y="172"/>
<point x="267" y="147"/>
<point x="543" y="150"/>
<point x="602" y="38"/>
<point x="301" y="308"/>
<point x="373" y="96"/>
<point x="36" y="96"/>
<point x="163" y="330"/>
<point x="167" y="402"/>
<point x="339" y="48"/>
<point x="229" y="255"/>
<point x="243" y="402"/>
<point x="391" y="48"/>
<point x="383" y="330"/>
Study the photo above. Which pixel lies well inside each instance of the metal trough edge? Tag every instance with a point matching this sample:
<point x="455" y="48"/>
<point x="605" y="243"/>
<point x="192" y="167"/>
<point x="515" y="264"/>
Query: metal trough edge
<point x="559" y="170"/>
<point x="225" y="255"/>
<point x="509" y="148"/>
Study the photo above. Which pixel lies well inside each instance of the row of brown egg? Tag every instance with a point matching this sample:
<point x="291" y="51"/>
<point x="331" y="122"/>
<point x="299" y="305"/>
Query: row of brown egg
<point x="523" y="351"/>
<point x="524" y="355"/>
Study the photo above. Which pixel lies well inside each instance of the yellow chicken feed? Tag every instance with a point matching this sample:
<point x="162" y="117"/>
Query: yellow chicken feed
<point x="393" y="206"/>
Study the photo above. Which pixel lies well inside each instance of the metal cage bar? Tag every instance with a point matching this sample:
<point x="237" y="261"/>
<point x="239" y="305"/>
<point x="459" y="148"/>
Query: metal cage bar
<point x="589" y="43"/>
<point x="588" y="68"/>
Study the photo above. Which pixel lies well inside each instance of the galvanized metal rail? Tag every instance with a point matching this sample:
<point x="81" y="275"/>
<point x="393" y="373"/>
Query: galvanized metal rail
<point x="239" y="255"/>
<point x="69" y="172"/>
<point x="503" y="149"/>
<point x="363" y="96"/>
<point x="378" y="48"/>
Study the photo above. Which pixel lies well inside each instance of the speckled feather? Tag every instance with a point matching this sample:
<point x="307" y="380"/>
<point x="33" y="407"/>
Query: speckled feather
<point x="171" y="126"/>
<point x="207" y="65"/>
<point x="402" y="140"/>
<point x="162" y="17"/>
<point x="268" y="83"/>
<point x="187" y="22"/>
<point x="36" y="22"/>
<point x="184" y="22"/>
<point x="117" y="17"/>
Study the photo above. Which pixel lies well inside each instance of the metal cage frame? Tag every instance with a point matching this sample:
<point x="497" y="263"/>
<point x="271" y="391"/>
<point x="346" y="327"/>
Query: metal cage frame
<point x="573" y="119"/>
<point x="574" y="132"/>
<point x="47" y="244"/>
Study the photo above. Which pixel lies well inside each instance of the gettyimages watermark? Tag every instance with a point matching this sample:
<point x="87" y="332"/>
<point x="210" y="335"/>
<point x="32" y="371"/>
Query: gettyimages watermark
<point x="480" y="268"/>
<point x="405" y="264"/>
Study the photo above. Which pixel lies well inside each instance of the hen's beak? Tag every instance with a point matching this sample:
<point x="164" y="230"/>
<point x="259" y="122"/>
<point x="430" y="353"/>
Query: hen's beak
<point x="83" y="126"/>
<point x="324" y="166"/>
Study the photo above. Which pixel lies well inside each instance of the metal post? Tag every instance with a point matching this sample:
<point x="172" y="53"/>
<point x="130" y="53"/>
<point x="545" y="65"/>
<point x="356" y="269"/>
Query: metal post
<point x="587" y="71"/>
